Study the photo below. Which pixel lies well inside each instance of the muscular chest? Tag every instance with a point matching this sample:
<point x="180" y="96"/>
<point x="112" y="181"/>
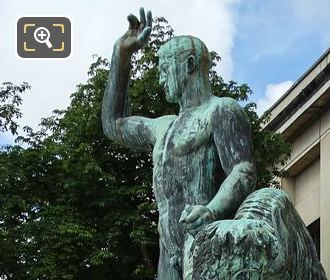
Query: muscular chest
<point x="185" y="135"/>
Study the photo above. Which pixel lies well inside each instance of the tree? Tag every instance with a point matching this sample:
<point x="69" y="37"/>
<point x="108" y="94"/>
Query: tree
<point x="10" y="100"/>
<point x="11" y="203"/>
<point x="76" y="205"/>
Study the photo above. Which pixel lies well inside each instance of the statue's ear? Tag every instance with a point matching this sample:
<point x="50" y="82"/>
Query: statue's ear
<point x="191" y="64"/>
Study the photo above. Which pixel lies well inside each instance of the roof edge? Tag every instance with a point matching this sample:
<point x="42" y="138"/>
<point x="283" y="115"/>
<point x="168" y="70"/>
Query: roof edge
<point x="298" y="81"/>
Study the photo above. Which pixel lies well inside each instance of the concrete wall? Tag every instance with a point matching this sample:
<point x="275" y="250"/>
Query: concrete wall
<point x="307" y="193"/>
<point x="310" y="188"/>
<point x="325" y="202"/>
<point x="305" y="140"/>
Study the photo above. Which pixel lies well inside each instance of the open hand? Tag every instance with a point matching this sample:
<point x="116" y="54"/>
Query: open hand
<point x="195" y="218"/>
<point x="138" y="33"/>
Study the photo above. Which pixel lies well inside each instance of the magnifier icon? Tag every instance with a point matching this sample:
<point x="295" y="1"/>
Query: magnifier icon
<point x="41" y="35"/>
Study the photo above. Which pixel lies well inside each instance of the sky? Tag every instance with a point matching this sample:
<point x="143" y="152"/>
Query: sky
<point x="267" y="44"/>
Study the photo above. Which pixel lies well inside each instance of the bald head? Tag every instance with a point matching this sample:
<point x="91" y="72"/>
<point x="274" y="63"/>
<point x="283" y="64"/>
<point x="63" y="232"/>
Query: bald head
<point x="182" y="47"/>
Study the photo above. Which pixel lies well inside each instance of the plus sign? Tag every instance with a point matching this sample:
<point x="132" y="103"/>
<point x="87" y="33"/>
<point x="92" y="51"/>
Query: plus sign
<point x="41" y="34"/>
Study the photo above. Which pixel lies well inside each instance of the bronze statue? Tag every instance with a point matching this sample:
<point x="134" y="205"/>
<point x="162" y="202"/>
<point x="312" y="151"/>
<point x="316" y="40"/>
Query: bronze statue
<point x="203" y="158"/>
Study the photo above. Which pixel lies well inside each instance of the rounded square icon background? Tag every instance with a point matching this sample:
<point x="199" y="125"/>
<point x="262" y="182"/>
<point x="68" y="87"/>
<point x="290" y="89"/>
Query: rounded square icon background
<point x="59" y="37"/>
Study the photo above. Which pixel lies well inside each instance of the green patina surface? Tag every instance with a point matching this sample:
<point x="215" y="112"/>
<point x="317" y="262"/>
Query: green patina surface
<point x="203" y="166"/>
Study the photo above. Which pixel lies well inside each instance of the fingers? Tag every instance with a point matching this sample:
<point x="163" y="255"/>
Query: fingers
<point x="133" y="21"/>
<point x="195" y="218"/>
<point x="144" y="35"/>
<point x="142" y="18"/>
<point x="197" y="226"/>
<point x="183" y="217"/>
<point x="194" y="231"/>
<point x="149" y="19"/>
<point x="199" y="222"/>
<point x="185" y="213"/>
<point x="195" y="214"/>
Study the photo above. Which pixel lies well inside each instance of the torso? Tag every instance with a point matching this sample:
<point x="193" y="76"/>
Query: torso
<point x="187" y="168"/>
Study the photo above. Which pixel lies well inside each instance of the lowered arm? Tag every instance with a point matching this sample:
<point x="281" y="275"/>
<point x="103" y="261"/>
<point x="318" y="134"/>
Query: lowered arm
<point x="232" y="136"/>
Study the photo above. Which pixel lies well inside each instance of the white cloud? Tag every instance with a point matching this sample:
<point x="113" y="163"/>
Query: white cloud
<point x="96" y="25"/>
<point x="213" y="23"/>
<point x="273" y="93"/>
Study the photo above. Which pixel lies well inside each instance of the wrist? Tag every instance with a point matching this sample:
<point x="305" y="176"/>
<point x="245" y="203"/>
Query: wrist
<point x="213" y="213"/>
<point x="121" y="51"/>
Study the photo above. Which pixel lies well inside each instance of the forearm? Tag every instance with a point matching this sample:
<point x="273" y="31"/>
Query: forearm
<point x="236" y="187"/>
<point x="115" y="97"/>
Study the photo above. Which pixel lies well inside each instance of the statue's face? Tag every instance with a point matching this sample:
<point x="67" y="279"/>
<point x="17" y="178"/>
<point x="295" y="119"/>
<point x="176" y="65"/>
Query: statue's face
<point x="170" y="77"/>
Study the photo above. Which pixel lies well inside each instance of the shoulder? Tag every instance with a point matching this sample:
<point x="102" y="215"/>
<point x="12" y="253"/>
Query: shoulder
<point x="226" y="107"/>
<point x="225" y="104"/>
<point x="227" y="112"/>
<point x="162" y="123"/>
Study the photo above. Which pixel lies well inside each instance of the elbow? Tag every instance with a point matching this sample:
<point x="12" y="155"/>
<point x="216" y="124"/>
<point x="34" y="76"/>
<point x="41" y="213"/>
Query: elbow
<point x="248" y="176"/>
<point x="108" y="127"/>
<point x="107" y="131"/>
<point x="108" y="121"/>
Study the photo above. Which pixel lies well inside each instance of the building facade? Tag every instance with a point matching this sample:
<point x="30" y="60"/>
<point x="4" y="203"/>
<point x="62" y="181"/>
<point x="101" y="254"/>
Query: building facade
<point x="302" y="116"/>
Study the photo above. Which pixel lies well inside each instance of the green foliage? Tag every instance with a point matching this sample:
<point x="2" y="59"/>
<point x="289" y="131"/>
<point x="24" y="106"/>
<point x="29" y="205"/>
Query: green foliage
<point x="74" y="205"/>
<point x="10" y="100"/>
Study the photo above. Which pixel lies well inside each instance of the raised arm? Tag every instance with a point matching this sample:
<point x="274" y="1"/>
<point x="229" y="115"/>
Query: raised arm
<point x="134" y="131"/>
